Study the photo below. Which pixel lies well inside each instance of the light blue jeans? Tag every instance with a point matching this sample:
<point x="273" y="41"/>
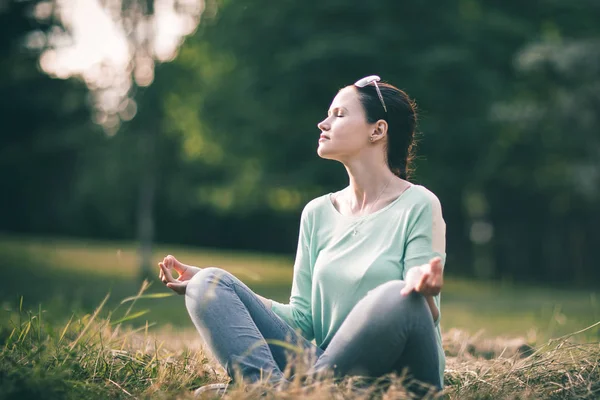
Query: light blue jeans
<point x="245" y="336"/>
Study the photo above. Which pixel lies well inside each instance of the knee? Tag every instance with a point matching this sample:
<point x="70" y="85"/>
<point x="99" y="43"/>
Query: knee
<point x="208" y="275"/>
<point x="389" y="290"/>
<point x="388" y="295"/>
<point x="205" y="280"/>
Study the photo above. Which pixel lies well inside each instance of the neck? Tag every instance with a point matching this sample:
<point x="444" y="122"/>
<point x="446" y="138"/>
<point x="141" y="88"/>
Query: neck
<point x="367" y="183"/>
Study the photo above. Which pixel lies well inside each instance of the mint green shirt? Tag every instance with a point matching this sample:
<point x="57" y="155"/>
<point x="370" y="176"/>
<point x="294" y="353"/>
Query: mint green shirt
<point x="340" y="258"/>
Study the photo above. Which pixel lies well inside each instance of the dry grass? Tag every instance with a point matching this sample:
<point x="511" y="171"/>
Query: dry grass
<point x="92" y="357"/>
<point x="100" y="358"/>
<point x="562" y="368"/>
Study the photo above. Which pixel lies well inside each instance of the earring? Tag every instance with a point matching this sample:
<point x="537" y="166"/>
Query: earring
<point x="371" y="139"/>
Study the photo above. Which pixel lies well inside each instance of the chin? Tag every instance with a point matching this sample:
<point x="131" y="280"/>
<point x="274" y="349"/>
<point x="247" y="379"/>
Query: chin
<point x="323" y="153"/>
<point x="327" y="155"/>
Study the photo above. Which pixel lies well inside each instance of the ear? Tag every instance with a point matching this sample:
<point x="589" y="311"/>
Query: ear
<point x="380" y="129"/>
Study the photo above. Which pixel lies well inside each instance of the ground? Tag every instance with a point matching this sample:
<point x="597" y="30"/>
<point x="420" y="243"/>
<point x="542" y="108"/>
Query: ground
<point x="71" y="326"/>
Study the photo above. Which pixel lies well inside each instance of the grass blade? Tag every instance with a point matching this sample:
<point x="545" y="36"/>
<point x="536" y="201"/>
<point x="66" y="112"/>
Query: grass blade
<point x="130" y="317"/>
<point x="147" y="296"/>
<point x="90" y="322"/>
<point x="65" y="330"/>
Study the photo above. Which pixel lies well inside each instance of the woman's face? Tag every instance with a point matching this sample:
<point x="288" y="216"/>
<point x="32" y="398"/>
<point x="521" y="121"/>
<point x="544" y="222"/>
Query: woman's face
<point x="345" y="131"/>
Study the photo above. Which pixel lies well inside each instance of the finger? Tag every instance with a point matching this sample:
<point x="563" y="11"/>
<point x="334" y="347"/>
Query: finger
<point x="160" y="271"/>
<point x="167" y="273"/>
<point x="434" y="290"/>
<point x="426" y="268"/>
<point x="175" y="264"/>
<point x="433" y="286"/>
<point x="439" y="282"/>
<point x="436" y="265"/>
<point x="432" y="275"/>
<point x="421" y="284"/>
<point x="169" y="265"/>
<point x="163" y="278"/>
<point x="438" y="274"/>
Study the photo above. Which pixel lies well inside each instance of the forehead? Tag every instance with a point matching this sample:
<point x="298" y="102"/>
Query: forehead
<point x="347" y="98"/>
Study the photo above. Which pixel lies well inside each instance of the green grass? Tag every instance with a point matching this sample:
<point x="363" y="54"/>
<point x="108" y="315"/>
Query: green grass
<point x="73" y="275"/>
<point x="61" y="336"/>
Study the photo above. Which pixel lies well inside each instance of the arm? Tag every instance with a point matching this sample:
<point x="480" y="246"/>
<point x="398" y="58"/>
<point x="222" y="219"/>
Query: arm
<point x="424" y="254"/>
<point x="298" y="313"/>
<point x="426" y="279"/>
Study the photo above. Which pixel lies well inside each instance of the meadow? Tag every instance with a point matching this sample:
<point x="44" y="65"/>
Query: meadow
<point x="76" y="322"/>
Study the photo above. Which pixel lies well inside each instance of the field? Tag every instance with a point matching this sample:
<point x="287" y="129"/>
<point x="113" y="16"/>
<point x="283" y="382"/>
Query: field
<point x="59" y="343"/>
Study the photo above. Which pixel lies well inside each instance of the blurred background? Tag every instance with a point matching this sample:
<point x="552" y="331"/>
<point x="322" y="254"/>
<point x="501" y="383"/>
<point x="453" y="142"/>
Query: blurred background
<point x="132" y="129"/>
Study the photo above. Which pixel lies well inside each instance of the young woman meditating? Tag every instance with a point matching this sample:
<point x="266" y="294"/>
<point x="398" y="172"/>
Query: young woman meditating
<point x="368" y="269"/>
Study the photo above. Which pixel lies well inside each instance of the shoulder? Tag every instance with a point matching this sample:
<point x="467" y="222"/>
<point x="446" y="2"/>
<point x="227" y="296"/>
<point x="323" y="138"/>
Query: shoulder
<point x="428" y="218"/>
<point x="317" y="203"/>
<point x="421" y="197"/>
<point x="316" y="206"/>
<point x="424" y="206"/>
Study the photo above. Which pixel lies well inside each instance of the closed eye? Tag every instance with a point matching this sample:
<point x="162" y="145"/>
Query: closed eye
<point x="337" y="112"/>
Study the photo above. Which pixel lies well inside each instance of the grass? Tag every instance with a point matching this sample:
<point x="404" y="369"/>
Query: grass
<point x="76" y="274"/>
<point x="91" y="357"/>
<point x="57" y="342"/>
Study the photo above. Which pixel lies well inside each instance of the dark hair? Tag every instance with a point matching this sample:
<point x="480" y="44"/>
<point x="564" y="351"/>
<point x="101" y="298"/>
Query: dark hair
<point x="402" y="122"/>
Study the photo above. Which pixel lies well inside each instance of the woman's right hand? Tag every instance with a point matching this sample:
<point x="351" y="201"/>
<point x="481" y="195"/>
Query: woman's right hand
<point x="186" y="272"/>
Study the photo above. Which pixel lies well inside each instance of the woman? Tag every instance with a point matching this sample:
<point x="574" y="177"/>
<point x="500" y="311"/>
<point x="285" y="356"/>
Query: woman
<point x="368" y="269"/>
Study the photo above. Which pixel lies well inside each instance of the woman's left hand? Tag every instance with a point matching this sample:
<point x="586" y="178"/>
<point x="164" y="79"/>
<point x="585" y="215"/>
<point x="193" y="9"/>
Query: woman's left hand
<point x="426" y="279"/>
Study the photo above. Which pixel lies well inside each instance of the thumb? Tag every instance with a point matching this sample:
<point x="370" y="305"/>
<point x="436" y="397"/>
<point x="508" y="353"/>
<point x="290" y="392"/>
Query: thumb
<point x="178" y="287"/>
<point x="409" y="287"/>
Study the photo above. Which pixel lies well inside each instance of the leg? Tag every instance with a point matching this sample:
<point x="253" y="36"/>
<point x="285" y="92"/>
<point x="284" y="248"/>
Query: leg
<point x="237" y="326"/>
<point x="385" y="332"/>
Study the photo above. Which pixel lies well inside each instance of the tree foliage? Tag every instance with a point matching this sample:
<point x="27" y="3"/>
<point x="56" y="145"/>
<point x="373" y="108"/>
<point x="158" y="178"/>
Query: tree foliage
<point x="508" y="100"/>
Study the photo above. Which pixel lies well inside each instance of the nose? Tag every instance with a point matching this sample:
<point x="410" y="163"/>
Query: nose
<point x="324" y="125"/>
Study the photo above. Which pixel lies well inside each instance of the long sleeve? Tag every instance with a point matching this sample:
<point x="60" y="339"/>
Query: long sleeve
<point x="298" y="313"/>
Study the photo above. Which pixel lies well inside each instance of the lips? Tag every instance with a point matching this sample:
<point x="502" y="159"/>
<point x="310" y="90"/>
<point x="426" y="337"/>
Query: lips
<point x="324" y="136"/>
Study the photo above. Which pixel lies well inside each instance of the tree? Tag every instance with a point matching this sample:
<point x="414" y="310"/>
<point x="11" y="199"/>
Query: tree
<point x="41" y="121"/>
<point x="257" y="96"/>
<point x="118" y="88"/>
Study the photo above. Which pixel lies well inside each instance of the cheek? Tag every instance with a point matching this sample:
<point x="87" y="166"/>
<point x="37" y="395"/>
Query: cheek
<point x="350" y="131"/>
